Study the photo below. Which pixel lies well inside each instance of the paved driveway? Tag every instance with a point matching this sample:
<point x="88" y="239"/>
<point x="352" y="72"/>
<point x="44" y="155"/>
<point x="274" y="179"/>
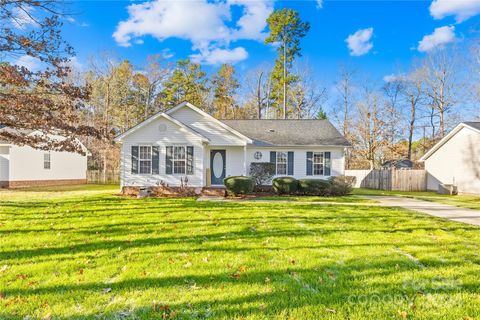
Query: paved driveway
<point x="436" y="209"/>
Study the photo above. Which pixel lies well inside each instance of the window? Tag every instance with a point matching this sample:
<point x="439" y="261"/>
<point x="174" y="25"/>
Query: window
<point x="46" y="161"/>
<point x="281" y="163"/>
<point x="179" y="160"/>
<point x="318" y="163"/>
<point x="145" y="159"/>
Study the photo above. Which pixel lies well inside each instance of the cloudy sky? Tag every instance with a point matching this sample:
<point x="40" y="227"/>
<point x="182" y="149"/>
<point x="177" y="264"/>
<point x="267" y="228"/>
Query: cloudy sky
<point x="376" y="37"/>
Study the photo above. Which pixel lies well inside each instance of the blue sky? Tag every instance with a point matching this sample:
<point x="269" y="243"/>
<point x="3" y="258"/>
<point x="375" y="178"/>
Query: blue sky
<point x="385" y="34"/>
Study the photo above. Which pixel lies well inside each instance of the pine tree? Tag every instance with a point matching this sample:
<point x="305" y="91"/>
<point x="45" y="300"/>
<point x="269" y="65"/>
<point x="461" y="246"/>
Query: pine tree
<point x="225" y="86"/>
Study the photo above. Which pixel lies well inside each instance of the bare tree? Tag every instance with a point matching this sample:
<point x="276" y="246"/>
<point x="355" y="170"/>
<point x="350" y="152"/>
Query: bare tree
<point x="344" y="88"/>
<point x="413" y="91"/>
<point x="306" y="96"/>
<point x="257" y="86"/>
<point x="442" y="85"/>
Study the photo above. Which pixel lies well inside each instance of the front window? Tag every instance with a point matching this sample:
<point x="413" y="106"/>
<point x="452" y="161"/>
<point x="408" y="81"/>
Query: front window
<point x="145" y="159"/>
<point x="46" y="161"/>
<point x="281" y="163"/>
<point x="179" y="160"/>
<point x="318" y="163"/>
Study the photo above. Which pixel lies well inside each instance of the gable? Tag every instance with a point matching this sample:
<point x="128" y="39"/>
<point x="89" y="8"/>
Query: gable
<point x="162" y="130"/>
<point x="216" y="132"/>
<point x="461" y="134"/>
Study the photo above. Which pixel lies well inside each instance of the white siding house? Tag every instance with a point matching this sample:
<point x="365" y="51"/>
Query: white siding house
<point x="23" y="166"/>
<point x="187" y="143"/>
<point x="456" y="159"/>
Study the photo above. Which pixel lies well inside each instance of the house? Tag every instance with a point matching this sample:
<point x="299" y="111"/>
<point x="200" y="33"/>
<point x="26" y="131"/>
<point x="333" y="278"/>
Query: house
<point x="401" y="164"/>
<point x="23" y="166"/>
<point x="456" y="159"/>
<point x="186" y="142"/>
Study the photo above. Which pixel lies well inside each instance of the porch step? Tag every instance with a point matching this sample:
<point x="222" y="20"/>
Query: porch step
<point x="214" y="191"/>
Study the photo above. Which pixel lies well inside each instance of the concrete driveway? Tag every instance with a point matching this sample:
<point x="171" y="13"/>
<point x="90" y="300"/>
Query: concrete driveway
<point x="436" y="209"/>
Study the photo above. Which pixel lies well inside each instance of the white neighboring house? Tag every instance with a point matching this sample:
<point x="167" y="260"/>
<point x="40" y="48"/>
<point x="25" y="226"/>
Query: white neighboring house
<point x="456" y="159"/>
<point x="187" y="142"/>
<point x="23" y="166"/>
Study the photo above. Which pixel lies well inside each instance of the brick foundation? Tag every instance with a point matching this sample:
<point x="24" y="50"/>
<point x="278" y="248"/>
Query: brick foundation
<point x="40" y="183"/>
<point x="174" y="192"/>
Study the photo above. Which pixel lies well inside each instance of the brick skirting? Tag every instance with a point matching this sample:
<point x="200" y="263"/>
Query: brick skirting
<point x="40" y="183"/>
<point x="174" y="192"/>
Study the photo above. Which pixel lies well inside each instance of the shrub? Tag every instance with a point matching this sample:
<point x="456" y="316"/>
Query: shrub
<point x="238" y="185"/>
<point x="285" y="185"/>
<point x="341" y="186"/>
<point x="262" y="172"/>
<point x="314" y="187"/>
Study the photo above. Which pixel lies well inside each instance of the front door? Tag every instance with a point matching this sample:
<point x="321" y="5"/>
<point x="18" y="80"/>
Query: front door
<point x="217" y="166"/>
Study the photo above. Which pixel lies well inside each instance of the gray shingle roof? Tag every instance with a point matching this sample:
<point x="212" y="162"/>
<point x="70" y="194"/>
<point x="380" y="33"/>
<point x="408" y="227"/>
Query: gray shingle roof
<point x="267" y="133"/>
<point x="473" y="124"/>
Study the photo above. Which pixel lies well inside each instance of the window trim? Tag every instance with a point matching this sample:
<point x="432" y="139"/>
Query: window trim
<point x="322" y="163"/>
<point x="49" y="161"/>
<point x="184" y="160"/>
<point x="285" y="163"/>
<point x="145" y="160"/>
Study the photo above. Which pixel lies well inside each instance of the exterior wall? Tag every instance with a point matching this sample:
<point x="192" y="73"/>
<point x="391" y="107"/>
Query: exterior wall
<point x="26" y="164"/>
<point x="300" y="159"/>
<point x="4" y="164"/>
<point x="205" y="126"/>
<point x="456" y="162"/>
<point x="161" y="133"/>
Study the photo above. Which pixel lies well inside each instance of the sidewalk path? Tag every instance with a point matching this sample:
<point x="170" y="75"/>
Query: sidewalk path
<point x="464" y="215"/>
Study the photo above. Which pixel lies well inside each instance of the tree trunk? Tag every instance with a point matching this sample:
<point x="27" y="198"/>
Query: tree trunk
<point x="259" y="96"/>
<point x="411" y="127"/>
<point x="284" y="79"/>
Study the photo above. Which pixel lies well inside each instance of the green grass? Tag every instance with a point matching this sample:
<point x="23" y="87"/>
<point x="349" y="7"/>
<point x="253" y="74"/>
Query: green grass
<point x="88" y="254"/>
<point x="344" y="199"/>
<point x="465" y="201"/>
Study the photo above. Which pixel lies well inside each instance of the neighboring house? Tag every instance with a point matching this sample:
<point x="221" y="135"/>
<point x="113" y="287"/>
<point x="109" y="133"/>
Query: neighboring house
<point x="23" y="166"/>
<point x="403" y="164"/>
<point x="456" y="159"/>
<point x="186" y="142"/>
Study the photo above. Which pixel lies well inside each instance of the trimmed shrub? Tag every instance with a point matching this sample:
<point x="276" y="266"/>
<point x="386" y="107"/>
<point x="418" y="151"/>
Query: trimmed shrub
<point x="262" y="173"/>
<point x="238" y="185"/>
<point x="285" y="185"/>
<point x="314" y="187"/>
<point x="341" y="186"/>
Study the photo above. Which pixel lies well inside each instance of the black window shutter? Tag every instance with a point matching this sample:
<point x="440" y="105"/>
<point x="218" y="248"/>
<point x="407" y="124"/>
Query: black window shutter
<point x="190" y="160"/>
<point x="290" y="163"/>
<point x="168" y="160"/>
<point x="328" y="163"/>
<point x="273" y="157"/>
<point x="134" y="159"/>
<point x="155" y="160"/>
<point x="309" y="163"/>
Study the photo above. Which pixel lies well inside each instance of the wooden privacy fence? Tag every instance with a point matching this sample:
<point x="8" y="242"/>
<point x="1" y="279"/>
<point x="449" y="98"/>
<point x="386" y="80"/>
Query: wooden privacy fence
<point x="98" y="176"/>
<point x="397" y="180"/>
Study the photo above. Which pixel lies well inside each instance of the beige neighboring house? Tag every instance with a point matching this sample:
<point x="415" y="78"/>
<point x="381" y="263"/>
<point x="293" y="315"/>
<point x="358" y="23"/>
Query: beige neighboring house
<point x="23" y="166"/>
<point x="456" y="159"/>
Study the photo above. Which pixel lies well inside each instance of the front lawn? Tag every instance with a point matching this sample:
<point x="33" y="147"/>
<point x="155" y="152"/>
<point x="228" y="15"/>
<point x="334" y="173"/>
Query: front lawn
<point x="342" y="199"/>
<point x="88" y="254"/>
<point x="465" y="201"/>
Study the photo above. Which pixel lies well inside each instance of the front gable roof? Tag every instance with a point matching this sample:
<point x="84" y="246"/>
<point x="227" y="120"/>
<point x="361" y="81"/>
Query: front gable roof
<point x="120" y="137"/>
<point x="186" y="104"/>
<point x="475" y="126"/>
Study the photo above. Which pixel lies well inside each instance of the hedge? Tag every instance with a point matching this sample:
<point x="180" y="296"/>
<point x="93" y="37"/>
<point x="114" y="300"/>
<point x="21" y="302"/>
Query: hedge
<point x="314" y="187"/>
<point x="238" y="185"/>
<point x="285" y="185"/>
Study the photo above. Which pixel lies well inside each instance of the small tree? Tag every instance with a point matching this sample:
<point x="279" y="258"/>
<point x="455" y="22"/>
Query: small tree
<point x="262" y="172"/>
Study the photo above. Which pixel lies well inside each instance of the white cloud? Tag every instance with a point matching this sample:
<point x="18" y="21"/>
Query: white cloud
<point x="22" y="18"/>
<point x="359" y="43"/>
<point x="207" y="25"/>
<point x="167" y="53"/>
<point x="439" y="38"/>
<point x="31" y="63"/>
<point x="218" y="56"/>
<point x="319" y="4"/>
<point x="394" y="77"/>
<point x="461" y="9"/>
